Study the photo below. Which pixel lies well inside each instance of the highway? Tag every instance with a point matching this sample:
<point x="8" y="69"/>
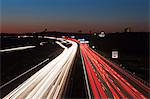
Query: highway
<point x="107" y="80"/>
<point x="102" y="79"/>
<point x="21" y="61"/>
<point x="49" y="81"/>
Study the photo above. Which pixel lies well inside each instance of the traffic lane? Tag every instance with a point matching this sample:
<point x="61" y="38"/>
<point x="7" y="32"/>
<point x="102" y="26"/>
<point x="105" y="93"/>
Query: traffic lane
<point x="103" y="73"/>
<point x="139" y="94"/>
<point x="36" y="78"/>
<point x="127" y="85"/>
<point x="96" y="87"/>
<point x="63" y="66"/>
<point x="91" y="80"/>
<point x="110" y="84"/>
<point x="76" y="85"/>
<point x="38" y="84"/>
<point x="69" y="64"/>
<point x="12" y="69"/>
<point x="17" y="62"/>
<point x="104" y="77"/>
<point x="106" y="87"/>
<point x="129" y="77"/>
<point x="132" y="78"/>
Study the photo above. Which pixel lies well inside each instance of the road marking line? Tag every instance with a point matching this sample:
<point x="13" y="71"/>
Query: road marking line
<point x="86" y="79"/>
<point x="23" y="73"/>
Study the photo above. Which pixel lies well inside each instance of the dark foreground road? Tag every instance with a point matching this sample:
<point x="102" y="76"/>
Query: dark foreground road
<point x="114" y="81"/>
<point x="76" y="88"/>
<point x="15" y="63"/>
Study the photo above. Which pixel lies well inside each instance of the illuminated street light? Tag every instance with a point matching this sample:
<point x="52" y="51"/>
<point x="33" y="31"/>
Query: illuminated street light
<point x="93" y="47"/>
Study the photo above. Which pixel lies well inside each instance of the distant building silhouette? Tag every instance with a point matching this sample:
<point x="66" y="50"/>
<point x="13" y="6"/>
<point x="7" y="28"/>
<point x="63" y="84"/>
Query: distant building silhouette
<point x="45" y="30"/>
<point x="79" y="31"/>
<point x="128" y="29"/>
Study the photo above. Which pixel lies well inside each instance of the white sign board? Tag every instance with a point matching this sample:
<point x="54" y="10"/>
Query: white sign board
<point x="114" y="54"/>
<point x="84" y="41"/>
<point x="72" y="36"/>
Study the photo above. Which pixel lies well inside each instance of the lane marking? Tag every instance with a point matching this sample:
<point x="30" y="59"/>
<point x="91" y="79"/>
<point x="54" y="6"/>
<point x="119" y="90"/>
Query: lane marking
<point x="23" y="73"/>
<point x="86" y="79"/>
<point x="21" y="48"/>
<point x="39" y="84"/>
<point x="18" y="92"/>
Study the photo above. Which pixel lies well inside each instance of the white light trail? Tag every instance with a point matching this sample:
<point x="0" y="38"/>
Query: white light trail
<point x="17" y="48"/>
<point x="50" y="80"/>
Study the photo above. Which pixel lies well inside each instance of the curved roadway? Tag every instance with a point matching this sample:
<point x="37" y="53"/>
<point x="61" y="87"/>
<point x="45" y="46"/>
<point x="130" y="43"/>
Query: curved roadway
<point x="50" y="80"/>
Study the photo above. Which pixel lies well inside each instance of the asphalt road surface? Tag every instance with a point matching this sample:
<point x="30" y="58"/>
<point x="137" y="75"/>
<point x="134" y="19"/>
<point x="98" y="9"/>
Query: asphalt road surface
<point x="16" y="63"/>
<point x="62" y="69"/>
<point x="49" y="81"/>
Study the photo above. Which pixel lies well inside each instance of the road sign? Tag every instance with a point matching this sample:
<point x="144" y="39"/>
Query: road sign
<point x="114" y="54"/>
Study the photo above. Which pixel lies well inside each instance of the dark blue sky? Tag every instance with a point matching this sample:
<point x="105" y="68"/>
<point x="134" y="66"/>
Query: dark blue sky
<point x="72" y="15"/>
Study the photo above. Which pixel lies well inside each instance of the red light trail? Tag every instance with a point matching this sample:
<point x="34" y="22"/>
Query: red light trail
<point x="105" y="80"/>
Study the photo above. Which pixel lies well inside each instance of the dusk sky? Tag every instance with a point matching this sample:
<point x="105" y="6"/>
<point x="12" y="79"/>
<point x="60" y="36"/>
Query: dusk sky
<point x="73" y="15"/>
